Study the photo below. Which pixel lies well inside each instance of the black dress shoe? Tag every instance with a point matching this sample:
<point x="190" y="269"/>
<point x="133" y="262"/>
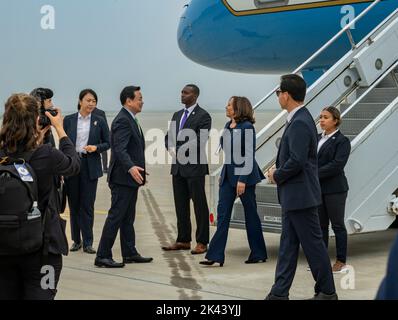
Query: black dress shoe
<point x="107" y="263"/>
<point x="210" y="263"/>
<point x="324" y="296"/>
<point x="248" y="261"/>
<point x="89" y="250"/>
<point x="75" y="247"/>
<point x="137" y="259"/>
<point x="270" y="296"/>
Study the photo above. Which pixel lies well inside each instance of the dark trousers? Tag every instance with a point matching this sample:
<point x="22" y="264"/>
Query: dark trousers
<point x="227" y="196"/>
<point x="302" y="227"/>
<point x="333" y="210"/>
<point x="185" y="189"/>
<point x="104" y="156"/>
<point x="120" y="216"/>
<point x="21" y="277"/>
<point x="81" y="193"/>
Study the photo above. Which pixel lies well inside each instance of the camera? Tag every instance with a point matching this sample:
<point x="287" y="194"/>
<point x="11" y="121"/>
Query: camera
<point x="43" y="94"/>
<point x="44" y="121"/>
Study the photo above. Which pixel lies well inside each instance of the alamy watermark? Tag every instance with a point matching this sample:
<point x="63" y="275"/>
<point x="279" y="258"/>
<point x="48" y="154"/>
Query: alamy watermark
<point x="188" y="146"/>
<point x="348" y="13"/>
<point x="48" y="280"/>
<point x="47" y="21"/>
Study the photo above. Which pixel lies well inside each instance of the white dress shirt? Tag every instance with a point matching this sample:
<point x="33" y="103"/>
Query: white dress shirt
<point x="325" y="138"/>
<point x="83" y="132"/>
<point x="292" y="113"/>
<point x="190" y="109"/>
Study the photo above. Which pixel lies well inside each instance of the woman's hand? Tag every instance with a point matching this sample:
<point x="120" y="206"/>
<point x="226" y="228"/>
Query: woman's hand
<point x="57" y="123"/>
<point x="42" y="134"/>
<point x="90" y="149"/>
<point x="240" y="188"/>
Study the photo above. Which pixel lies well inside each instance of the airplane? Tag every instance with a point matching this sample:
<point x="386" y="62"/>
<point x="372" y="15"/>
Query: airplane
<point x="272" y="36"/>
<point x="278" y="36"/>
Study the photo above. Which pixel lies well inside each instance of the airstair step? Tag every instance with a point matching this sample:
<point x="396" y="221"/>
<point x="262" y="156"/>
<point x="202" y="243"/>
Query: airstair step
<point x="382" y="95"/>
<point x="364" y="110"/>
<point x="267" y="193"/>
<point x="353" y="126"/>
<point x="270" y="216"/>
<point x="387" y="82"/>
<point x="351" y="137"/>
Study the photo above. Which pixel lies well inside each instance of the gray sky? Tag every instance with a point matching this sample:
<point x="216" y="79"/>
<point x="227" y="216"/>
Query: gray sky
<point x="106" y="45"/>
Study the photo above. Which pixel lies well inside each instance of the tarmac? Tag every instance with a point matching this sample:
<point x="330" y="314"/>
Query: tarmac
<point x="179" y="276"/>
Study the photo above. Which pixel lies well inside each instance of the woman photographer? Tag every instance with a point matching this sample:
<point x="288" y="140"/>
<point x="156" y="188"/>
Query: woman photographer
<point x="21" y="276"/>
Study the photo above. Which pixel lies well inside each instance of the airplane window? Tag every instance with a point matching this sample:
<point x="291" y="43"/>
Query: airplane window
<point x="243" y="5"/>
<point x="270" y="3"/>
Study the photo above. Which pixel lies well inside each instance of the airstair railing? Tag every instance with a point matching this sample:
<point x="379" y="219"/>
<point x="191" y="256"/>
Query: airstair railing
<point x="346" y="30"/>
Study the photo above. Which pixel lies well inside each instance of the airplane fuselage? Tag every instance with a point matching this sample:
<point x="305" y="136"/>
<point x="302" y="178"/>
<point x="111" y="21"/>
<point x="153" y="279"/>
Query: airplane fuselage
<point x="270" y="36"/>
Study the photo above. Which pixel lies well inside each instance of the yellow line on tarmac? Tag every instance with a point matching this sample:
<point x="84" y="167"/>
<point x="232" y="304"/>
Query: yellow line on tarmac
<point x="102" y="212"/>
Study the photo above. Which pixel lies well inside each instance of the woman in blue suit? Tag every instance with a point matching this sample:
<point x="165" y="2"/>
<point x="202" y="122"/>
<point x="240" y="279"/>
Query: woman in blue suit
<point x="239" y="177"/>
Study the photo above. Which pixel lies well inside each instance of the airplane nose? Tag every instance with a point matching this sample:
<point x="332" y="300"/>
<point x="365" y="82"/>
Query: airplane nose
<point x="184" y="34"/>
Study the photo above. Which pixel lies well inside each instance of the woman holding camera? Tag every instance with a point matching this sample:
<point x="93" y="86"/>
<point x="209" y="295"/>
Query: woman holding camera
<point x="35" y="276"/>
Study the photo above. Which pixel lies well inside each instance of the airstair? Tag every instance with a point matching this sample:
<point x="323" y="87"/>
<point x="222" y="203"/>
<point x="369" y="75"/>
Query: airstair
<point x="363" y="85"/>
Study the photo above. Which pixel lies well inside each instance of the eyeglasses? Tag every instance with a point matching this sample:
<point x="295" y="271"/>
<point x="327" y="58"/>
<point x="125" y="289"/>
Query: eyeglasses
<point x="278" y="92"/>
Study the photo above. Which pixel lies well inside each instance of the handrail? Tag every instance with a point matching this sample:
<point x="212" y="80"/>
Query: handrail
<point x="357" y="101"/>
<point x="320" y="50"/>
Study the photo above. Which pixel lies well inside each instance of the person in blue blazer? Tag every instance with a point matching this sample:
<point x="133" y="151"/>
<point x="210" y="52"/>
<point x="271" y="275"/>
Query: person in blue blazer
<point x="299" y="193"/>
<point x="239" y="177"/>
<point x="90" y="135"/>
<point x="333" y="152"/>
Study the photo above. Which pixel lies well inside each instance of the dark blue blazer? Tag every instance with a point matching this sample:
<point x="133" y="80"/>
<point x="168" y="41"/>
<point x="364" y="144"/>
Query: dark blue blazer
<point x="128" y="150"/>
<point x="228" y="143"/>
<point x="389" y="287"/>
<point x="332" y="158"/>
<point x="297" y="164"/>
<point x="99" y="136"/>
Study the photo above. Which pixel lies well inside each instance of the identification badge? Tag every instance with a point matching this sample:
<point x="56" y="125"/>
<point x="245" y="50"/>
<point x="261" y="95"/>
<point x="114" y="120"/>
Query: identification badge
<point x="24" y="173"/>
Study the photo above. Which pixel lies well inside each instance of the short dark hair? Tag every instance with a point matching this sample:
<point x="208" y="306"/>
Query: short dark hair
<point x="195" y="89"/>
<point x="83" y="93"/>
<point x="335" y="114"/>
<point x="243" y="109"/>
<point x="295" y="86"/>
<point x="128" y="92"/>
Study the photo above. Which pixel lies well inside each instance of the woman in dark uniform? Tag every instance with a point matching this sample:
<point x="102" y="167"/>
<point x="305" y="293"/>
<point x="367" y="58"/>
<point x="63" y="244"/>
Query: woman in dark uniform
<point x="333" y="151"/>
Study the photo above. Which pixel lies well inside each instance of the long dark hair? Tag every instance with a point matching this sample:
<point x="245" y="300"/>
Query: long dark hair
<point x="19" y="132"/>
<point x="243" y="109"/>
<point x="83" y="93"/>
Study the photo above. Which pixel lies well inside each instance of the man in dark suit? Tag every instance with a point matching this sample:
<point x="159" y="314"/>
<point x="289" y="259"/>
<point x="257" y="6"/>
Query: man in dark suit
<point x="299" y="194"/>
<point x="90" y="135"/>
<point x="186" y="140"/>
<point x="126" y="175"/>
<point x="104" y="155"/>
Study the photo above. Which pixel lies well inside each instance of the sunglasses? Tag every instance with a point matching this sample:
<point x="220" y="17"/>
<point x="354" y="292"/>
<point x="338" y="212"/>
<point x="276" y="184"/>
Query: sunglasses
<point x="278" y="92"/>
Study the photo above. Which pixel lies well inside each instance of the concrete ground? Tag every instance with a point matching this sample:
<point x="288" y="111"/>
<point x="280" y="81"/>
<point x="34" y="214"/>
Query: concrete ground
<point x="178" y="275"/>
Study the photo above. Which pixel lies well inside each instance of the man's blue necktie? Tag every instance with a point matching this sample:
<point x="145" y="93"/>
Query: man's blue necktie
<point x="184" y="119"/>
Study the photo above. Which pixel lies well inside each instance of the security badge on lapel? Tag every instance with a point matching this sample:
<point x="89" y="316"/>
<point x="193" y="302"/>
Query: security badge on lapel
<point x="23" y="172"/>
